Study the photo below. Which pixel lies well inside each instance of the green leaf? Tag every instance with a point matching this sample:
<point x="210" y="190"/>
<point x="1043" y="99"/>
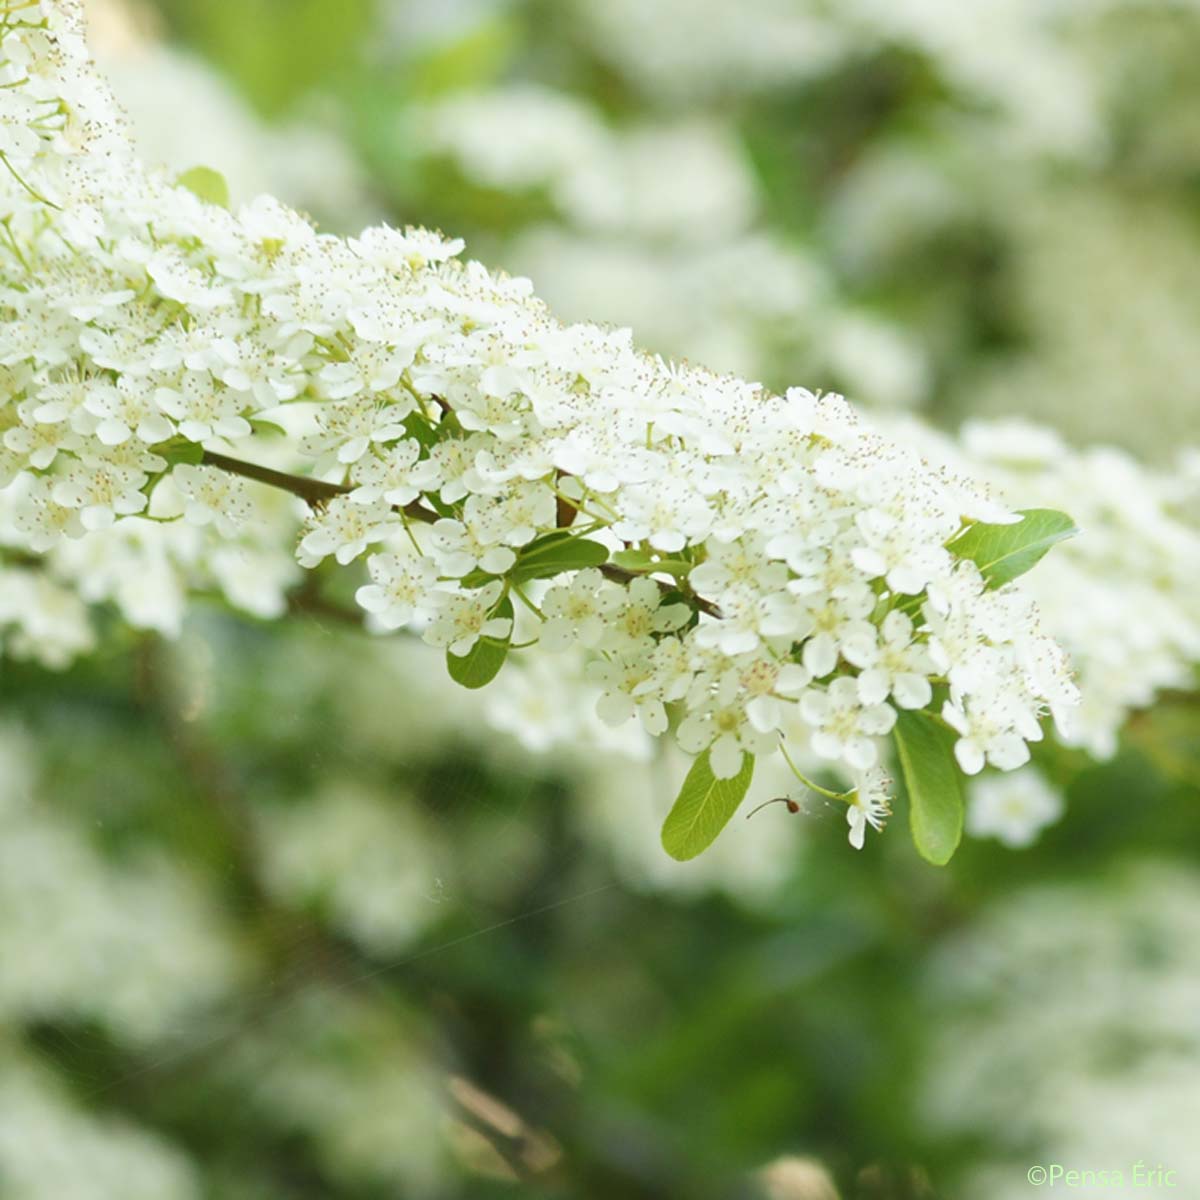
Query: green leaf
<point x="477" y="578"/>
<point x="1002" y="552"/>
<point x="703" y="808"/>
<point x="267" y="428"/>
<point x="933" y="783"/>
<point x="481" y="664"/>
<point x="555" y="553"/>
<point x="640" y="561"/>
<point x="417" y="426"/>
<point x="179" y="450"/>
<point x="206" y="183"/>
<point x="633" y="560"/>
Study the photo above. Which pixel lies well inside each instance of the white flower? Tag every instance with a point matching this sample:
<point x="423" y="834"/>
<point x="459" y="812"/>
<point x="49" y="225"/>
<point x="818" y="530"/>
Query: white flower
<point x="61" y="397"/>
<point x="770" y="687"/>
<point x="719" y="724"/>
<point x="348" y="428"/>
<point x="40" y="520"/>
<point x="101" y="493"/>
<point x="515" y="518"/>
<point x="344" y="529"/>
<point x="39" y="443"/>
<point x="1013" y="808"/>
<point x="388" y="476"/>
<point x="483" y="411"/>
<point x="127" y="410"/>
<point x="640" y="614"/>
<point x="402" y="589"/>
<point x="599" y="459"/>
<point x="843" y="726"/>
<point x="460" y="547"/>
<point x="893" y="665"/>
<point x="410" y="250"/>
<point x="262" y="374"/>
<point x="622" y="696"/>
<point x="255" y="579"/>
<point x="740" y="562"/>
<point x="17" y="129"/>
<point x="902" y="548"/>
<point x="988" y="729"/>
<point x="835" y="621"/>
<point x="184" y="284"/>
<point x="212" y="496"/>
<point x="372" y="368"/>
<point x="745" y="616"/>
<point x="869" y="804"/>
<point x="314" y="305"/>
<point x="672" y="670"/>
<point x="462" y="618"/>
<point x="667" y="513"/>
<point x="578" y="611"/>
<point x="203" y="408"/>
<point x="447" y="467"/>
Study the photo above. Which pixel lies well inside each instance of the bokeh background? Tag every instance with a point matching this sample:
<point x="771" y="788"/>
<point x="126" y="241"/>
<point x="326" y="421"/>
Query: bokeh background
<point x="285" y="914"/>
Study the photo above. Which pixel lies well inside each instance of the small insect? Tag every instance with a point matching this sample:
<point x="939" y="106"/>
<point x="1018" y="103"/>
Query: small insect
<point x="792" y="806"/>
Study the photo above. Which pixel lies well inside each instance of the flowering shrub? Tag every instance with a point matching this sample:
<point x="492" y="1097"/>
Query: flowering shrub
<point x="1036" y="995"/>
<point x="736" y="563"/>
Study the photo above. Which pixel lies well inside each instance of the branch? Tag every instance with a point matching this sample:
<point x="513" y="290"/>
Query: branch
<point x="311" y="491"/>
<point x="621" y="575"/>
<point x="307" y="600"/>
<point x="317" y="492"/>
<point x="314" y="492"/>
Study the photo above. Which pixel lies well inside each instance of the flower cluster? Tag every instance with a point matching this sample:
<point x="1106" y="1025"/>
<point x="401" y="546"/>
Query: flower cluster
<point x="733" y="561"/>
<point x="1121" y="599"/>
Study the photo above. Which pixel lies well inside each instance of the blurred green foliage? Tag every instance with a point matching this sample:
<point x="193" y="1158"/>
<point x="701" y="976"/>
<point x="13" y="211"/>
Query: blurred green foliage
<point x="663" y="1046"/>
